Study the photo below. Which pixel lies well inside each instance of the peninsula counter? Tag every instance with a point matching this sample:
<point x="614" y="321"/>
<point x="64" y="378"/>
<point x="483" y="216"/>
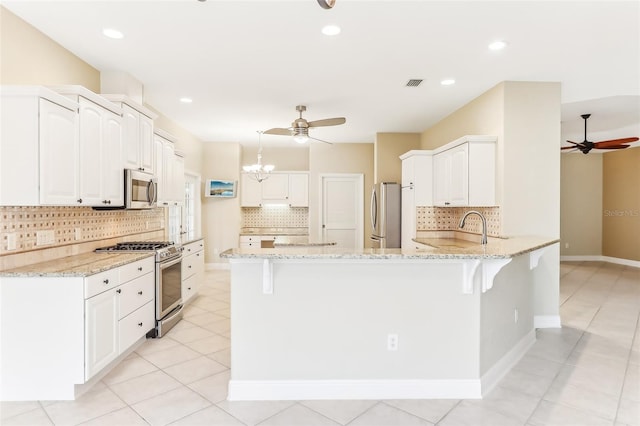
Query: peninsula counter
<point x="333" y="323"/>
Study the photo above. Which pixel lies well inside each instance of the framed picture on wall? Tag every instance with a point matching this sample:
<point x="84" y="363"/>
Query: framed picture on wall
<point x="216" y="188"/>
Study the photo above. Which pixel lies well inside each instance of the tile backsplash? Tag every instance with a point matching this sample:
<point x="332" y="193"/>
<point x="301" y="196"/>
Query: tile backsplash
<point x="72" y="225"/>
<point x="447" y="218"/>
<point x="275" y="216"/>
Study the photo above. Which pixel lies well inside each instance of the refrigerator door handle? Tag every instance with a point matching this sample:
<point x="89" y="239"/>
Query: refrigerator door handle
<point x="374" y="208"/>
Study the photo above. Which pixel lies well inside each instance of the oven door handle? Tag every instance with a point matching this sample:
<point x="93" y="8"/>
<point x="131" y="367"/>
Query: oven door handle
<point x="164" y="265"/>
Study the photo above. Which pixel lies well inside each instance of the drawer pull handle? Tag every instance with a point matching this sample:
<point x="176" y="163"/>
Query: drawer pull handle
<point x="106" y="281"/>
<point x="140" y="268"/>
<point x="119" y="291"/>
<point x="139" y="324"/>
<point x="140" y="292"/>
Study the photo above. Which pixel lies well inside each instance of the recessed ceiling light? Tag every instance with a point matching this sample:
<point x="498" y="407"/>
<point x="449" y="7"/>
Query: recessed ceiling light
<point x="448" y="82"/>
<point x="112" y="33"/>
<point x="186" y="100"/>
<point x="331" y="30"/>
<point x="498" y="45"/>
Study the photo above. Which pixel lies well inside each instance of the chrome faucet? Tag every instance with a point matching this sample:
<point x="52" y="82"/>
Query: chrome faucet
<point x="484" y="224"/>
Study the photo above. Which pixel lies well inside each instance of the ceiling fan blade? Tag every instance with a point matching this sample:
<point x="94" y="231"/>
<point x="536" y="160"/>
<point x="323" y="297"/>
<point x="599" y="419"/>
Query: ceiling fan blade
<point x="327" y="122"/>
<point x="614" y="142"/>
<point x="576" y="143"/>
<point x="319" y="140"/>
<point x="569" y="147"/>
<point x="278" y="131"/>
<point x="613" y="147"/>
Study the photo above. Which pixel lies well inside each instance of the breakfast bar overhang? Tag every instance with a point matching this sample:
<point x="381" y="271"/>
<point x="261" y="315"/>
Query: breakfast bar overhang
<point x="332" y="323"/>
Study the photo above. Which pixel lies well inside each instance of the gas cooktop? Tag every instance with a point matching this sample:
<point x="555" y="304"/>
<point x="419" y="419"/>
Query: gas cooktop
<point x="165" y="250"/>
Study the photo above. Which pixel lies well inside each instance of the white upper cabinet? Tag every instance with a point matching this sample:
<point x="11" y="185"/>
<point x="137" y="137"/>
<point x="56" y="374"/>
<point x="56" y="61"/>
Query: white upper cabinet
<point x="169" y="169"/>
<point x="100" y="148"/>
<point x="137" y="126"/>
<point x="464" y="172"/>
<point x="417" y="176"/>
<point x="38" y="147"/>
<point x="279" y="188"/>
<point x="299" y="189"/>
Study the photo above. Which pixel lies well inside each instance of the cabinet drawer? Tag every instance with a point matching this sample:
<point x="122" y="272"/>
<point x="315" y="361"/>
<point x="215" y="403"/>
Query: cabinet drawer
<point x="136" y="325"/>
<point x="250" y="238"/>
<point x="190" y="287"/>
<point x="192" y="264"/>
<point x="135" y="293"/>
<point x="193" y="247"/>
<point x="136" y="269"/>
<point x="103" y="281"/>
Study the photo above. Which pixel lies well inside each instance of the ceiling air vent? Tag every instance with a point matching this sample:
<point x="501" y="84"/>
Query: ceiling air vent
<point x="413" y="83"/>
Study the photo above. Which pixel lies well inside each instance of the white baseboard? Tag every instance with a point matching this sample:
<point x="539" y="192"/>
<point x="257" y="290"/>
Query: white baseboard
<point x="500" y="369"/>
<point x="598" y="258"/>
<point x="547" y="321"/>
<point x="291" y="390"/>
<point x="219" y="265"/>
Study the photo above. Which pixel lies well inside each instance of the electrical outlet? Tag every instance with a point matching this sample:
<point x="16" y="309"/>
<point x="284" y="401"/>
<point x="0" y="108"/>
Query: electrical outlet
<point x="566" y="245"/>
<point x="392" y="342"/>
<point x="11" y="241"/>
<point x="77" y="234"/>
<point x="515" y="315"/>
<point x="44" y="238"/>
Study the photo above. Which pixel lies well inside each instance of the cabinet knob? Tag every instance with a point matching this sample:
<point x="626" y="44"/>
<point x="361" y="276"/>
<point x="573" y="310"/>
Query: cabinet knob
<point x="108" y="201"/>
<point x="140" y="292"/>
<point x="447" y="203"/>
<point x="188" y="288"/>
<point x="139" y="324"/>
<point x="119" y="291"/>
<point x="79" y="200"/>
<point x="189" y="266"/>
<point x="140" y="268"/>
<point x="106" y="281"/>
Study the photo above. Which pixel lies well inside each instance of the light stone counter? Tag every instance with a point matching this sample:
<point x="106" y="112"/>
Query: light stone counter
<point x="81" y="265"/>
<point x="435" y="248"/>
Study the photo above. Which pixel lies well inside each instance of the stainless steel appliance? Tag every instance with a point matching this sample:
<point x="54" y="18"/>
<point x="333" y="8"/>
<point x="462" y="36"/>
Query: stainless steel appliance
<point x="385" y="215"/>
<point x="140" y="190"/>
<point x="168" y="280"/>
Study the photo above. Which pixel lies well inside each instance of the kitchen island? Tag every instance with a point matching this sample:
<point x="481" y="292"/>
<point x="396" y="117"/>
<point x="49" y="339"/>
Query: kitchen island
<point x="331" y="323"/>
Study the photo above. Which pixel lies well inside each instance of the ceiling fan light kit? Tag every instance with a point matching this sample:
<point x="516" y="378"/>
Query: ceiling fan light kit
<point x="327" y="4"/>
<point x="585" y="146"/>
<point x="258" y="171"/>
<point x="300" y="127"/>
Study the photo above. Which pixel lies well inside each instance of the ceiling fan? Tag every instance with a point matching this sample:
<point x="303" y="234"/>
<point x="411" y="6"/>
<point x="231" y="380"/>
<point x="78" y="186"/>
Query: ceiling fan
<point x="585" y="146"/>
<point x="300" y="127"/>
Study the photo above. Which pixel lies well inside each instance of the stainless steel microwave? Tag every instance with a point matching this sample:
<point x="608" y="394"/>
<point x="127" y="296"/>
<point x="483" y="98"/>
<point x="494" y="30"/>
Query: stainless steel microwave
<point x="140" y="190"/>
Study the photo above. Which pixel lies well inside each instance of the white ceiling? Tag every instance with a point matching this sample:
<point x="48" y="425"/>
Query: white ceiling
<point x="247" y="64"/>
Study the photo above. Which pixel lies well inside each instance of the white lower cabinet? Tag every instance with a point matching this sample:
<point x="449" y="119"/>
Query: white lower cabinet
<point x="101" y="331"/>
<point x="192" y="269"/>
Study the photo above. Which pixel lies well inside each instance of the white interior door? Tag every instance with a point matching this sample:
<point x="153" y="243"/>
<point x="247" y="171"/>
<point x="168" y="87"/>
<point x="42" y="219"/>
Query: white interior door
<point x="342" y="209"/>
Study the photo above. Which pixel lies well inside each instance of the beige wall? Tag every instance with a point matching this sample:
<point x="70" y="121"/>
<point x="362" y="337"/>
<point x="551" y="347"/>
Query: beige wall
<point x="388" y="148"/>
<point x="482" y="116"/>
<point x="285" y="159"/>
<point x="621" y="204"/>
<point x="220" y="217"/>
<point x="27" y="56"/>
<point x="339" y="158"/>
<point x="580" y="204"/>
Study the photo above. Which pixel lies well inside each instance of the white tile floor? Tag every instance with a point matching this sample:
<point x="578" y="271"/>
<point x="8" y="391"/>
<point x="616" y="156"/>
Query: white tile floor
<point x="587" y="373"/>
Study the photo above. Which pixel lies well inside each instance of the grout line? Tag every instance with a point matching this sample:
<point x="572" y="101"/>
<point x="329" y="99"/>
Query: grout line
<point x="626" y="370"/>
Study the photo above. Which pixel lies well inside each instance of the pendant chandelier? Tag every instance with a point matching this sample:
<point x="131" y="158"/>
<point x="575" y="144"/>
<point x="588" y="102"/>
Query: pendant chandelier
<point x="258" y="171"/>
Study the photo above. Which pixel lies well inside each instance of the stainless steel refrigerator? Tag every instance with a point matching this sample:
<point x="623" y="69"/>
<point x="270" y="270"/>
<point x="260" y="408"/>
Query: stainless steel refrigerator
<point x="385" y="215"/>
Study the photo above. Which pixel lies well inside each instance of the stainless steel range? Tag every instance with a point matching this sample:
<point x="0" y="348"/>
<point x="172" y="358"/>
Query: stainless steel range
<point x="168" y="280"/>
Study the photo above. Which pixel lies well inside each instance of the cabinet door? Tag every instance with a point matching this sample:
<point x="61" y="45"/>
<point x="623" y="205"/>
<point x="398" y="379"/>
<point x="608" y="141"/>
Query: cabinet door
<point x="408" y="171"/>
<point x="112" y="173"/>
<point x="101" y="331"/>
<point x="299" y="190"/>
<point x="158" y="155"/>
<point x="250" y="191"/>
<point x="178" y="180"/>
<point x="441" y="174"/>
<point x="130" y="137"/>
<point x="168" y="164"/>
<point x="408" y="222"/>
<point x="58" y="155"/>
<point x="145" y="127"/>
<point x="459" y="176"/>
<point x="276" y="188"/>
<point x="91" y="136"/>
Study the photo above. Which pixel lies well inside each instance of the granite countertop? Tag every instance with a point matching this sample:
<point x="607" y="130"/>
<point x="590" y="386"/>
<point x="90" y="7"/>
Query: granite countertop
<point x="502" y="248"/>
<point x="186" y="239"/>
<point x="274" y="231"/>
<point x="80" y="265"/>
